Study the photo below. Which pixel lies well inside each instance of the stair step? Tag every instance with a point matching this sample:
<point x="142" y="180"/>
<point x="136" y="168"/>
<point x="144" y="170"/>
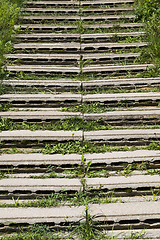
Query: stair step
<point x="30" y="188"/>
<point x="77" y="11"/>
<point x="103" y="37"/>
<point x="40" y="99"/>
<point x="66" y="59"/>
<point x="42" y="19"/>
<point x="33" y="162"/>
<point x="122" y="137"/>
<point x="119" y="214"/>
<point x="86" y="85"/>
<point x="59" y="28"/>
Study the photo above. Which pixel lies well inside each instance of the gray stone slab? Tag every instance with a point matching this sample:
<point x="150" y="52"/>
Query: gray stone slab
<point x="111" y="159"/>
<point x="39" y="159"/>
<point x="53" y="3"/>
<point x="107" y="58"/>
<point x="41" y="97"/>
<point x="45" y="27"/>
<point x="126" y="82"/>
<point x="124" y="115"/>
<point x="34" y="185"/>
<point x="107" y="18"/>
<point x="61" y="83"/>
<point x="105" y="2"/>
<point x="129" y="157"/>
<point x="115" y="212"/>
<point x="50" y="10"/>
<point x="40" y="115"/>
<point x="135" y="183"/>
<point x="20" y="135"/>
<point x="44" y="69"/>
<point x="49" y="57"/>
<point x="121" y="25"/>
<point x="121" y="69"/>
<point x="48" y="37"/>
<point x="122" y="135"/>
<point x="118" y="211"/>
<point x="121" y="182"/>
<point x="110" y="10"/>
<point x="121" y="96"/>
<point x="109" y="46"/>
<point x="39" y="215"/>
<point x="53" y="18"/>
<point x="58" y="46"/>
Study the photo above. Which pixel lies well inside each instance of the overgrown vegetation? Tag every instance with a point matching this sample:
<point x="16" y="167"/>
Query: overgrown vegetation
<point x="149" y="12"/>
<point x="9" y="13"/>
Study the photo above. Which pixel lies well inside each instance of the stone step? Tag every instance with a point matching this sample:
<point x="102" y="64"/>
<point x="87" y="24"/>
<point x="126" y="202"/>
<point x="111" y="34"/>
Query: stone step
<point x="105" y="47"/>
<point x="38" y="162"/>
<point x="49" y="47"/>
<point x="21" y="135"/>
<point x="96" y="38"/>
<point x="118" y="70"/>
<point x="64" y="19"/>
<point x="71" y="59"/>
<point x="42" y="28"/>
<point x="50" y="70"/>
<point x="26" y="188"/>
<point x="122" y="215"/>
<point x="120" y="137"/>
<point x="117" y="118"/>
<point x="123" y="137"/>
<point x="116" y="82"/>
<point x="51" y="37"/>
<point x="71" y="11"/>
<point x="64" y="84"/>
<point x="58" y="85"/>
<point x="76" y="3"/>
<point x="42" y="99"/>
<point x="108" y="37"/>
<point x="45" y="59"/>
<point x="68" y="98"/>
<point x="39" y="115"/>
<point x="57" y="4"/>
<point x="76" y="47"/>
<point x="114" y="98"/>
<point x="47" y="70"/>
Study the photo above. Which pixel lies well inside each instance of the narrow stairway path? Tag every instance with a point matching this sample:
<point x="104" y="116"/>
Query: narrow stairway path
<point x="80" y="123"/>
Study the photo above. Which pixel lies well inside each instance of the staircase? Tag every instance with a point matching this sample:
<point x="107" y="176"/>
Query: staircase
<point x="84" y="123"/>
